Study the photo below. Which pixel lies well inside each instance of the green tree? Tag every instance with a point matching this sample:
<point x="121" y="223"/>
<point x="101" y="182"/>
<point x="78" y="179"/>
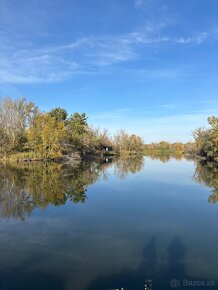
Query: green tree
<point x="206" y="140"/>
<point x="59" y="114"/>
<point x="213" y="121"/>
<point x="80" y="136"/>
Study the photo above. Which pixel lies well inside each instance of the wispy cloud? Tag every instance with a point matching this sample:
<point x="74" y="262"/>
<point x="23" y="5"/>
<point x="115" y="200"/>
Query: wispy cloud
<point x="28" y="68"/>
<point x="61" y="62"/>
<point x="142" y="3"/>
<point x="169" y="106"/>
<point x="159" y="73"/>
<point x="196" y="39"/>
<point x="28" y="64"/>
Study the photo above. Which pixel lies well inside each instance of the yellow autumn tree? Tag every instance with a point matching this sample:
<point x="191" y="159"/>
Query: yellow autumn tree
<point x="46" y="136"/>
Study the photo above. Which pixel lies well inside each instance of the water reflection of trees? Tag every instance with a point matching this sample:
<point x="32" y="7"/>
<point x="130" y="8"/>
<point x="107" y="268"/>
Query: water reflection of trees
<point x="123" y="166"/>
<point x="206" y="173"/>
<point x="165" y="157"/>
<point x="26" y="186"/>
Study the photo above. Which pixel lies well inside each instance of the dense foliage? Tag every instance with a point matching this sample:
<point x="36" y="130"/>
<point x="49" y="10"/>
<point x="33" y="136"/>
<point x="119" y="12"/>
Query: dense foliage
<point x="28" y="133"/>
<point x="206" y="140"/>
<point x="25" y="129"/>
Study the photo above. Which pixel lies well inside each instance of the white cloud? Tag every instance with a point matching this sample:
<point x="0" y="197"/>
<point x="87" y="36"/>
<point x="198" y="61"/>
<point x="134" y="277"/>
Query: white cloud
<point x="169" y="106"/>
<point x="159" y="73"/>
<point x="22" y="61"/>
<point x="26" y="67"/>
<point x="26" y="64"/>
<point x="195" y="39"/>
<point x="58" y="63"/>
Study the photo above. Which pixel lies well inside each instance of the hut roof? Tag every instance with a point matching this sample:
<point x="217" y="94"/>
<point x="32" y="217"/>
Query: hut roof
<point x="107" y="144"/>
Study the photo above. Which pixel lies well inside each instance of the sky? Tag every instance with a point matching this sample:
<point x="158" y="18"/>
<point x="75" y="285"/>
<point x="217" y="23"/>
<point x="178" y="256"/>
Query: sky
<point x="147" y="66"/>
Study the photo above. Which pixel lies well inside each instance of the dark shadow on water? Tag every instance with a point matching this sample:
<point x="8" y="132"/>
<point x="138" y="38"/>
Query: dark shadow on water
<point x="161" y="276"/>
<point x="149" y="260"/>
<point x="176" y="254"/>
<point x="129" y="279"/>
<point x="149" y="268"/>
<point x="17" y="279"/>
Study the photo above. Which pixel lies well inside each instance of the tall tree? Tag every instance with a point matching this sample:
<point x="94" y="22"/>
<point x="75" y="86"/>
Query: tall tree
<point x="81" y="137"/>
<point x="46" y="136"/>
<point x="15" y="117"/>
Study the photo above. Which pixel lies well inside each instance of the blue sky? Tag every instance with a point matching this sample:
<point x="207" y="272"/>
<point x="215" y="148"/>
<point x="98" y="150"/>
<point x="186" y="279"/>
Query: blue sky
<point x="148" y="66"/>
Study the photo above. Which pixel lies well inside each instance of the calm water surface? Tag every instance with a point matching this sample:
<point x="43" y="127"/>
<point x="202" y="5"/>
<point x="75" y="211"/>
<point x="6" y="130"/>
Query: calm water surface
<point x="109" y="225"/>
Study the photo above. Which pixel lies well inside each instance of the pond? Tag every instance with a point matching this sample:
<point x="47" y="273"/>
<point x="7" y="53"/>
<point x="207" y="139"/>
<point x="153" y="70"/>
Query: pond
<point x="136" y="223"/>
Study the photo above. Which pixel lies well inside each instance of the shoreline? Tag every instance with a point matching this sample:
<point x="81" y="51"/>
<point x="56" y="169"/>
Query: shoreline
<point x="18" y="158"/>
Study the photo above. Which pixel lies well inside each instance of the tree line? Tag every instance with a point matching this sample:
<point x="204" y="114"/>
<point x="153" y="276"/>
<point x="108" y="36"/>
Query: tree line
<point x="205" y="145"/>
<point x="167" y="147"/>
<point x="28" y="133"/>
